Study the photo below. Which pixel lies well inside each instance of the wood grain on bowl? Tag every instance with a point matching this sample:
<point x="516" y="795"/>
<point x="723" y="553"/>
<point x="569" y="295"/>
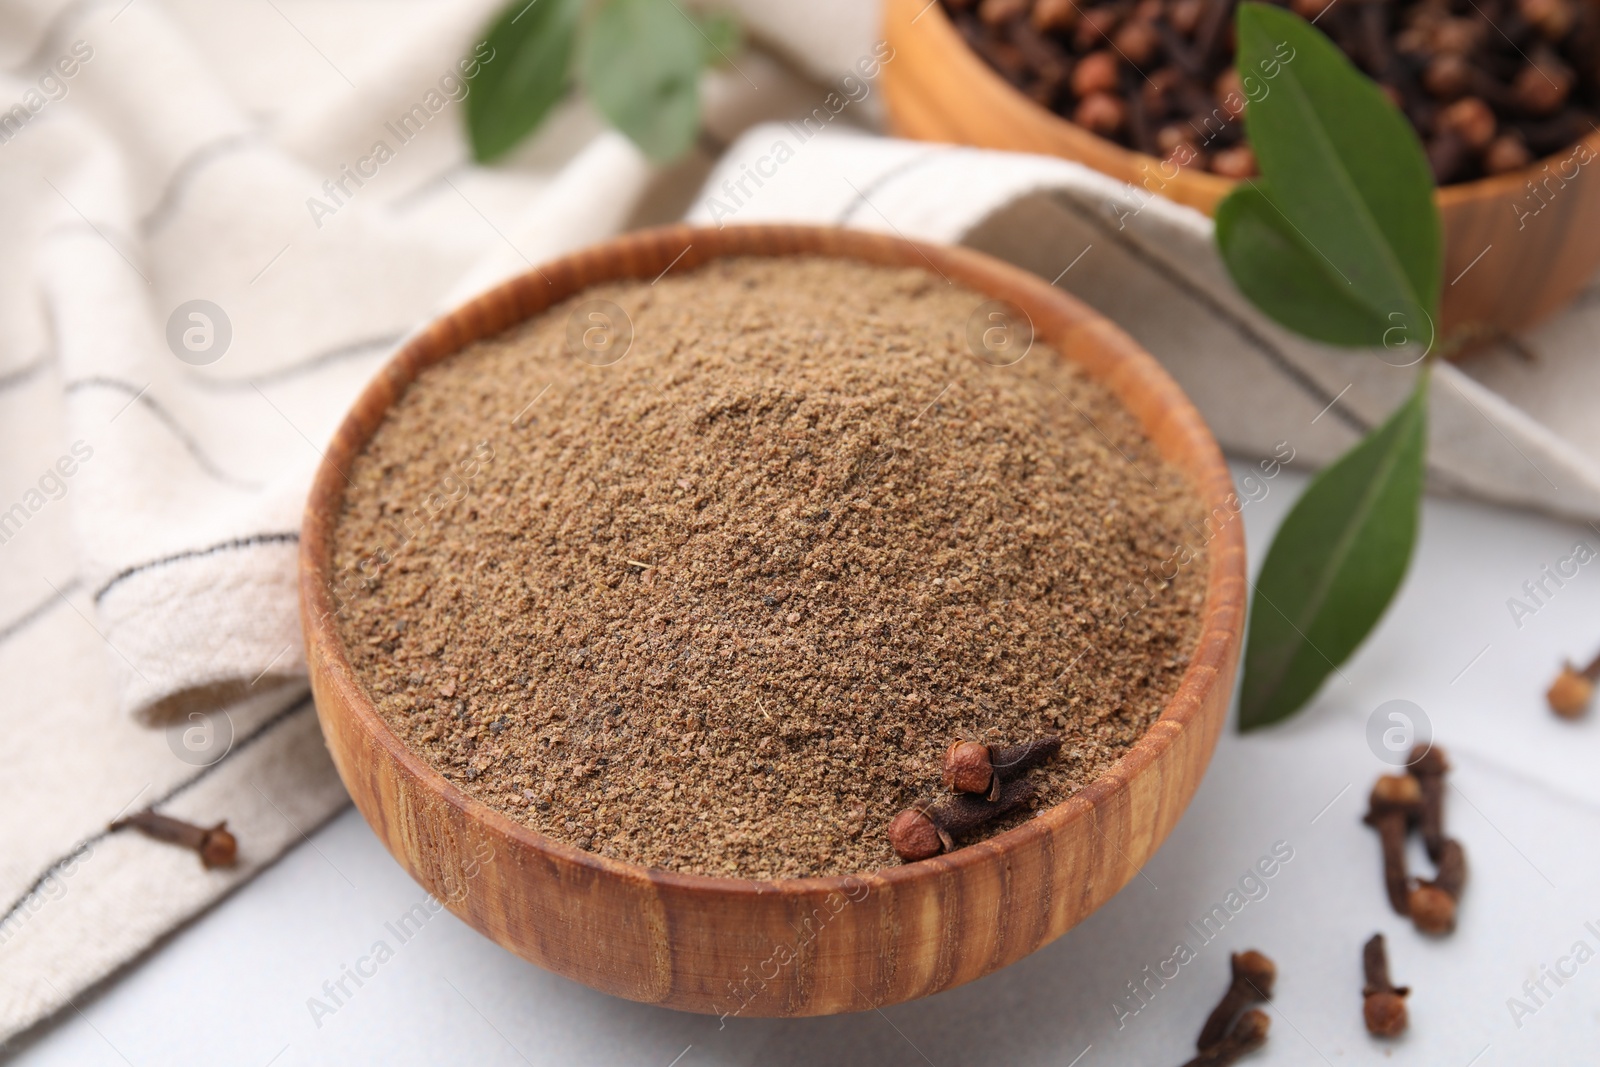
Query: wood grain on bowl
<point x="808" y="946"/>
<point x="1517" y="247"/>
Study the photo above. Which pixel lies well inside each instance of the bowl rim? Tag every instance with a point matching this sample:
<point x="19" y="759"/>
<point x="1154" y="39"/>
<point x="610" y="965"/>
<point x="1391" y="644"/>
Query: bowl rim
<point x="1222" y="613"/>
<point x="1215" y="186"/>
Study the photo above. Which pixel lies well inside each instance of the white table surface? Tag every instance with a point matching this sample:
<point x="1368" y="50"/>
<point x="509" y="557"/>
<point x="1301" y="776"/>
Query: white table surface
<point x="233" y="987"/>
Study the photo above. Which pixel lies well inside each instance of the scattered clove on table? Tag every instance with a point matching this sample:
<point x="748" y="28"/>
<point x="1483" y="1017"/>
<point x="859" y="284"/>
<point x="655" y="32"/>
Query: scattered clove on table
<point x="215" y="845"/>
<point x="1253" y="978"/>
<point x="1234" y="1027"/>
<point x="1432" y="904"/>
<point x="1248" y="1033"/>
<point x="1395" y="802"/>
<point x="1383" y="1006"/>
<point x="1573" y="690"/>
<point x="1428" y="766"/>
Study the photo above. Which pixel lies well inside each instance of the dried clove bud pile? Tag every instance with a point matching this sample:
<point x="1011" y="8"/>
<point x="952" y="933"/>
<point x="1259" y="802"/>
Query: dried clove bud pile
<point x="987" y="782"/>
<point x="1489" y="85"/>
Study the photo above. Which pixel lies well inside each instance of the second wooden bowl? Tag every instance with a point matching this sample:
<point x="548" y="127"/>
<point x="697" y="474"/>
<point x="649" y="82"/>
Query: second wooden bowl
<point x="1517" y="247"/>
<point x="810" y="946"/>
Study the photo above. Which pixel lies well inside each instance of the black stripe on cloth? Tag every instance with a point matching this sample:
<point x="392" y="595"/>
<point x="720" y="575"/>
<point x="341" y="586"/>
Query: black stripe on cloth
<point x="1438" y="477"/>
<point x="172" y="794"/>
<point x="166" y="207"/>
<point x="308" y="365"/>
<point x="171" y="423"/>
<point x="37" y="612"/>
<point x="53" y="29"/>
<point x="1158" y="266"/>
<point x="22" y="374"/>
<point x="1246" y="332"/>
<point x="894" y="173"/>
<point x="287" y="537"/>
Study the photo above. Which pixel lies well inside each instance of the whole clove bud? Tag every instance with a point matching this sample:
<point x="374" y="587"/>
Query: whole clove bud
<point x="1541" y="87"/>
<point x="1229" y="91"/>
<point x="1101" y="113"/>
<point x="1447" y="76"/>
<point x="1097" y="72"/>
<point x="1310" y="10"/>
<point x="967" y="768"/>
<point x="1054" y="16"/>
<point x="1173" y="139"/>
<point x="215" y="845"/>
<point x="1470" y="119"/>
<point x="973" y="767"/>
<point x="1507" y="153"/>
<point x="1137" y="41"/>
<point x="1571" y="693"/>
<point x="1429" y="765"/>
<point x="1238" y="163"/>
<point x="1253" y="976"/>
<point x="1433" y="904"/>
<point x="1395" y="802"/>
<point x="1457" y="36"/>
<point x="1184" y="15"/>
<point x="1552" y="18"/>
<point x="1414" y="40"/>
<point x="1248" y="1033"/>
<point x="1383" y="1005"/>
<point x="999" y="12"/>
<point x="926" y="829"/>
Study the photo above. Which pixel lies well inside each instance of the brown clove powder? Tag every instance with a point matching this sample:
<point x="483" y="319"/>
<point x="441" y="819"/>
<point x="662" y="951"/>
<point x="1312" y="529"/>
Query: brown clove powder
<point x="719" y="606"/>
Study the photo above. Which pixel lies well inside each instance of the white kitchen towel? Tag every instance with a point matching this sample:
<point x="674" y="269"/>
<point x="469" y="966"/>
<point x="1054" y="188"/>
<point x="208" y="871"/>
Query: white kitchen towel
<point x="204" y="258"/>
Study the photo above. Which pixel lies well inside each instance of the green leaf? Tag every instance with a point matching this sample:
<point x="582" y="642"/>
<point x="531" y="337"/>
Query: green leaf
<point x="1346" y="177"/>
<point x="641" y="62"/>
<point x="522" y="76"/>
<point x="1335" y="564"/>
<point x="722" y="39"/>
<point x="1283" y="277"/>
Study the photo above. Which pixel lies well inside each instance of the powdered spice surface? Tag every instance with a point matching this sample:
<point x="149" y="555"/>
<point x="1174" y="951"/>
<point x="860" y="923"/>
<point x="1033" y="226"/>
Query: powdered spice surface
<point x="719" y="606"/>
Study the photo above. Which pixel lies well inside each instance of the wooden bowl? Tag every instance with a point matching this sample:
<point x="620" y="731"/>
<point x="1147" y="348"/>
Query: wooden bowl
<point x="809" y="946"/>
<point x="1537" y="251"/>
